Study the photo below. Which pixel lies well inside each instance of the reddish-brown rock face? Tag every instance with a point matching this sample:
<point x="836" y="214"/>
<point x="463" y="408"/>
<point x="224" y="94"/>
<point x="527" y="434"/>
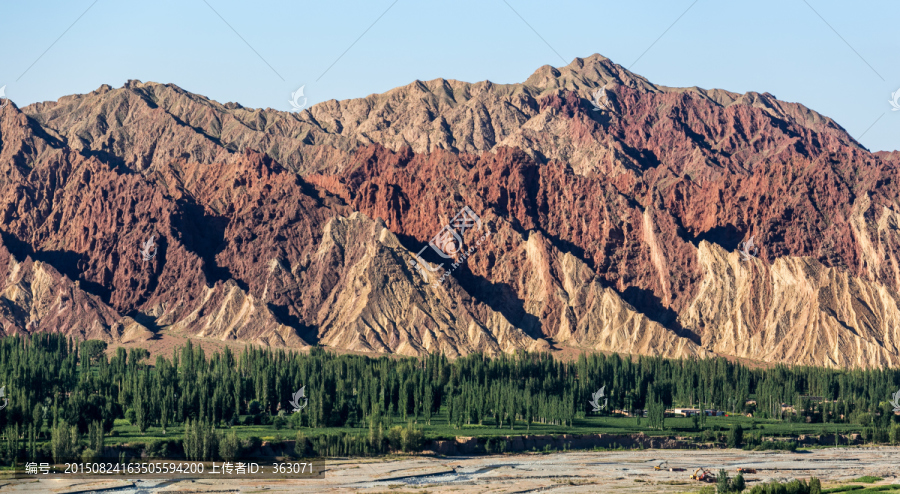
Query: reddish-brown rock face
<point x="610" y="227"/>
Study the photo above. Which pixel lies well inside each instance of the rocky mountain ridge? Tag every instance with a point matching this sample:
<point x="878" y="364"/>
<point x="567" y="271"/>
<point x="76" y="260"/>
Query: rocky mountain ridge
<point x="612" y="226"/>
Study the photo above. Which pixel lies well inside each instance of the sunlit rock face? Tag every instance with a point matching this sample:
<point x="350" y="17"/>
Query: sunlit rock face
<point x="611" y="210"/>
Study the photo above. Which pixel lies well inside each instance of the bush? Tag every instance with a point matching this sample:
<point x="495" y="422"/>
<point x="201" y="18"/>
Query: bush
<point x="302" y="448"/>
<point x="495" y="445"/>
<point x="727" y="485"/>
<point x="735" y="436"/>
<point x="160" y="448"/>
<point x="279" y="422"/>
<point x="277" y="442"/>
<point x="251" y="444"/>
<point x="776" y="445"/>
<point x="738" y="484"/>
<point x="815" y="487"/>
<point x="130" y="416"/>
<point x="723" y="483"/>
<point x="296" y="420"/>
<point x="411" y="439"/>
<point x="868" y="479"/>
<point x="864" y="419"/>
<point x="229" y="447"/>
<point x="200" y="441"/>
<point x="394" y="437"/>
<point x="64" y="442"/>
<point x="254" y="407"/>
<point x="792" y="487"/>
<point x="895" y="434"/>
<point x="89" y="456"/>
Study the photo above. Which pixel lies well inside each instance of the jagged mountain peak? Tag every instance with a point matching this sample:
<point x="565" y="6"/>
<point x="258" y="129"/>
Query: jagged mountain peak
<point x="609" y="225"/>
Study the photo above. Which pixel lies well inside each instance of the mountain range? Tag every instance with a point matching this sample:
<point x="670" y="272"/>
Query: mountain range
<point x="611" y="212"/>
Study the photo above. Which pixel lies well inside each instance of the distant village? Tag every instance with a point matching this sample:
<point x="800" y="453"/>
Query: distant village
<point x="711" y="412"/>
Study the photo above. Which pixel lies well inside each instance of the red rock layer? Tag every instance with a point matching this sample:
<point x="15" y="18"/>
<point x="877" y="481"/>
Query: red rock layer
<point x="597" y="217"/>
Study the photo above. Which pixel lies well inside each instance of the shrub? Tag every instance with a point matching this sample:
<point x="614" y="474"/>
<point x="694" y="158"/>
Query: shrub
<point x="723" y="483"/>
<point x="64" y="442"/>
<point x="864" y="419"/>
<point x="895" y="434"/>
<point x="200" y="440"/>
<point x="394" y="437"/>
<point x="89" y="456"/>
<point x="792" y="487"/>
<point x="296" y="420"/>
<point x="783" y="445"/>
<point x="868" y="479"/>
<point x="130" y="416"/>
<point x="815" y="487"/>
<point x="726" y="485"/>
<point x="494" y="445"/>
<point x="412" y="438"/>
<point x="738" y="484"/>
<point x="229" y="447"/>
<point x="251" y="444"/>
<point x="160" y="448"/>
<point x="302" y="447"/>
<point x="735" y="436"/>
<point x="254" y="407"/>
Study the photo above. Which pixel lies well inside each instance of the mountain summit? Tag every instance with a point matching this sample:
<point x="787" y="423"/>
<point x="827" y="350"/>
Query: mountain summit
<point x="602" y="227"/>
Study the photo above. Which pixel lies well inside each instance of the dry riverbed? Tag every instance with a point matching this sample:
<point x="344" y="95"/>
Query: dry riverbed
<point x="621" y="472"/>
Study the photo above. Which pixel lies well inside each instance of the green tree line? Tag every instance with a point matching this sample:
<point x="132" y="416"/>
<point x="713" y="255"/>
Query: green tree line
<point x="55" y="383"/>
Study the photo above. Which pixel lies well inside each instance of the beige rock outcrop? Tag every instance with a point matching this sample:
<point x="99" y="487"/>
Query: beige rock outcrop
<point x="794" y="311"/>
<point x="382" y="304"/>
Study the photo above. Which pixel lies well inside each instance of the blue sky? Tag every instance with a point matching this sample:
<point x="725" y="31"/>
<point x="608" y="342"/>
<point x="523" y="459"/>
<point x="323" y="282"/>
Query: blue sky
<point x="838" y="58"/>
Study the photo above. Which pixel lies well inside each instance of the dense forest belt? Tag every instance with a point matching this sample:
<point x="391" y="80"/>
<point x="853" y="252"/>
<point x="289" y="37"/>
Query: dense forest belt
<point x="71" y="396"/>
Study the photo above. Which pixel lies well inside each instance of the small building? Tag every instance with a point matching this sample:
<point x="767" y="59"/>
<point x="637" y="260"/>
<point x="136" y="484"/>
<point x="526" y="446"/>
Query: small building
<point x="686" y="412"/>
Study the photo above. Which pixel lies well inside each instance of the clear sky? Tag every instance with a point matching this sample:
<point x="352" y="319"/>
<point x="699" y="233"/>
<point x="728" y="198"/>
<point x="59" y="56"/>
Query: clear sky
<point x="838" y="58"/>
